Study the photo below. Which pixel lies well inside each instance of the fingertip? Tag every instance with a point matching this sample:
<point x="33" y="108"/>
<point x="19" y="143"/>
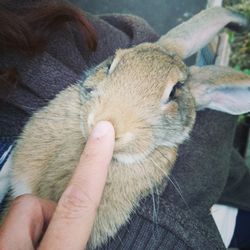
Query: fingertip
<point x="103" y="128"/>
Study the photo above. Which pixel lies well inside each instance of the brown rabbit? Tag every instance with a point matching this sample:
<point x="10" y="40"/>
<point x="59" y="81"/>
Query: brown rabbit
<point x="150" y="96"/>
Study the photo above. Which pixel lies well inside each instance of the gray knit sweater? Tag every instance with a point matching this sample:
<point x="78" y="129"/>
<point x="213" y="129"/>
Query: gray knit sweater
<point x="208" y="169"/>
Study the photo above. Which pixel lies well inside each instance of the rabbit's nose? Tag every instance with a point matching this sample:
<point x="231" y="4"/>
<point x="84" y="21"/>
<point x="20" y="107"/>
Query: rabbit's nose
<point x="94" y="117"/>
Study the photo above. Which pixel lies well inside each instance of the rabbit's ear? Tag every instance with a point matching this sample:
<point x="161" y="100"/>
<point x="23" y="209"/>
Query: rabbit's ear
<point x="192" y="35"/>
<point x="220" y="88"/>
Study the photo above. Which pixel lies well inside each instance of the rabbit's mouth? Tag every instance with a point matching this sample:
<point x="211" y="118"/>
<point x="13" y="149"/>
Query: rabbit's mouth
<point x="132" y="158"/>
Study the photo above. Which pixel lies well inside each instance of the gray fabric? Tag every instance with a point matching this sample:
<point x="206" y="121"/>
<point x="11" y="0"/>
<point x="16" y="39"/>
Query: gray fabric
<point x="236" y="192"/>
<point x="169" y="232"/>
<point x="203" y="164"/>
<point x="208" y="169"/>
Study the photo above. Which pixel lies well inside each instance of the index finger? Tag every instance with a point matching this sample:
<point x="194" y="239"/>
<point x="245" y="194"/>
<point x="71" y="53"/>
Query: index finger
<point x="74" y="216"/>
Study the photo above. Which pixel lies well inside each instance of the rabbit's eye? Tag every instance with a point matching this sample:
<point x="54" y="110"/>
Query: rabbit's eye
<point x="86" y="92"/>
<point x="108" y="66"/>
<point x="178" y="85"/>
<point x="89" y="90"/>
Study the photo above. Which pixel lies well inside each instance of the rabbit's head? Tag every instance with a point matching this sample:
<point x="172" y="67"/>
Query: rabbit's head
<point x="142" y="91"/>
<point x="150" y="95"/>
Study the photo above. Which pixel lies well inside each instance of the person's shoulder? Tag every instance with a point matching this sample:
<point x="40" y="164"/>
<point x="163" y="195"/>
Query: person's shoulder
<point x="135" y="27"/>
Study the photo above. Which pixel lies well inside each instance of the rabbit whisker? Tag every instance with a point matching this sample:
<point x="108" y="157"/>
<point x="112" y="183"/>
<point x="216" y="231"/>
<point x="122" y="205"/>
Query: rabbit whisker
<point x="173" y="182"/>
<point x="152" y="192"/>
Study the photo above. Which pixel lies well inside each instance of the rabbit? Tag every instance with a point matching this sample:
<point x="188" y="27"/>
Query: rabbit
<point x="151" y="98"/>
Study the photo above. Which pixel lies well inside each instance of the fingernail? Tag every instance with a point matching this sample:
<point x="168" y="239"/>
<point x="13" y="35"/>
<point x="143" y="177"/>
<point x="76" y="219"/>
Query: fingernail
<point x="101" y="129"/>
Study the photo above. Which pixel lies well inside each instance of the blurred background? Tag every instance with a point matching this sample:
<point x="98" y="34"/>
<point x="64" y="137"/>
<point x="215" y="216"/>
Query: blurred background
<point x="160" y="14"/>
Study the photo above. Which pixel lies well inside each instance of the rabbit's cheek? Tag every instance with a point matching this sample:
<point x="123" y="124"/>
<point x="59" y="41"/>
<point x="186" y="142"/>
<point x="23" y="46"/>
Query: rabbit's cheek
<point x="171" y="109"/>
<point x="188" y="117"/>
<point x="187" y="111"/>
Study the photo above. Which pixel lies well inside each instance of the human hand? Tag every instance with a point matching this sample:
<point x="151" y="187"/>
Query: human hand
<point x="33" y="223"/>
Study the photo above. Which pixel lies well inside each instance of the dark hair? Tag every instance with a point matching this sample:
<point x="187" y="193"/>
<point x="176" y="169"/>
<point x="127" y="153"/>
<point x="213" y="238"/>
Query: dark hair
<point x="27" y="29"/>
